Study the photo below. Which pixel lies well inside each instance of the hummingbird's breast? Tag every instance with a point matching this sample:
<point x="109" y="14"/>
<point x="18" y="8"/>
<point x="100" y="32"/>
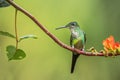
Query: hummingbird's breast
<point x="78" y="43"/>
<point x="78" y="38"/>
<point x="75" y="34"/>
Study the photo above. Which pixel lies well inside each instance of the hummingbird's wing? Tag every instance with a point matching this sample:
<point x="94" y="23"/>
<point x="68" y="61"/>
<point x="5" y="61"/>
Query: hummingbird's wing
<point x="84" y="36"/>
<point x="74" y="56"/>
<point x="71" y="40"/>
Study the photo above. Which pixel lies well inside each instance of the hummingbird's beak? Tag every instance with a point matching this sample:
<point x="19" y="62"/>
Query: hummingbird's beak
<point x="61" y="27"/>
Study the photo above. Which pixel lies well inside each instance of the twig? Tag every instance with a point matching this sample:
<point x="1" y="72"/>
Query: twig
<point x="52" y="36"/>
<point x="16" y="33"/>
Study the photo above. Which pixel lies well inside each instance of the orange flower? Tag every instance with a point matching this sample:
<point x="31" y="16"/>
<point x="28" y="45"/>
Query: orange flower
<point x="110" y="44"/>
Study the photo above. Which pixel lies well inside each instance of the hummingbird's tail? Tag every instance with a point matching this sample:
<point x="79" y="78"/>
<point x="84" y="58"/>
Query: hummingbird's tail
<point x="74" y="59"/>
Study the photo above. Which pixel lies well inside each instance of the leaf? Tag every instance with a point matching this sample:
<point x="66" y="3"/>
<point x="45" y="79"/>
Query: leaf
<point x="4" y="3"/>
<point x="27" y="37"/>
<point x="19" y="54"/>
<point x="11" y="51"/>
<point x="7" y="34"/>
<point x="1" y="1"/>
<point x="14" y="54"/>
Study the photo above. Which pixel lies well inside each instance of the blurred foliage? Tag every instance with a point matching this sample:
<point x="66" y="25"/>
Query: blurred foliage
<point x="45" y="59"/>
<point x="4" y="3"/>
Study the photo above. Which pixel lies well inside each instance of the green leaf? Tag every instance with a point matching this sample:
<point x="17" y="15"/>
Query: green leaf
<point x="11" y="51"/>
<point x="19" y="54"/>
<point x="27" y="37"/>
<point x="14" y="54"/>
<point x="7" y="34"/>
<point x="4" y="3"/>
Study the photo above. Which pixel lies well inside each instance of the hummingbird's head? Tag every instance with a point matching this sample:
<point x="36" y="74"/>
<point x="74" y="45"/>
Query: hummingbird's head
<point x="70" y="25"/>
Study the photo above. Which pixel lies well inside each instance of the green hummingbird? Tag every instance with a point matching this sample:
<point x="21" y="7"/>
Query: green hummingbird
<point x="77" y="40"/>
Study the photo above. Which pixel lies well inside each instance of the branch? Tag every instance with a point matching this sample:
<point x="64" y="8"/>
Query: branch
<point x="52" y="36"/>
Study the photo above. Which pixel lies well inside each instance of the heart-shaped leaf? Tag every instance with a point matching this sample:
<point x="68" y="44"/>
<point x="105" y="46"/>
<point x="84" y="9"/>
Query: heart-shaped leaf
<point x="11" y="51"/>
<point x="7" y="34"/>
<point x="27" y="37"/>
<point x="19" y="54"/>
<point x="14" y="54"/>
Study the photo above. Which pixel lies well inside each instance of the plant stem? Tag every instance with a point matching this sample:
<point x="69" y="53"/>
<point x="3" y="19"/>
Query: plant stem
<point x="16" y="33"/>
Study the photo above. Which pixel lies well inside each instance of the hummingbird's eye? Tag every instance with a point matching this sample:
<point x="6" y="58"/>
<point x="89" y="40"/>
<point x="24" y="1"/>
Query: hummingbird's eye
<point x="73" y="24"/>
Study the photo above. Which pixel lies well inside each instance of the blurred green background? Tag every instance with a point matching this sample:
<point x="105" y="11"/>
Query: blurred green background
<point x="45" y="59"/>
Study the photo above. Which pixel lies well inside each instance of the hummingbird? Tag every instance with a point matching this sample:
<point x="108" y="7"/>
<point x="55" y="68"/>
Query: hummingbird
<point x="77" y="40"/>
